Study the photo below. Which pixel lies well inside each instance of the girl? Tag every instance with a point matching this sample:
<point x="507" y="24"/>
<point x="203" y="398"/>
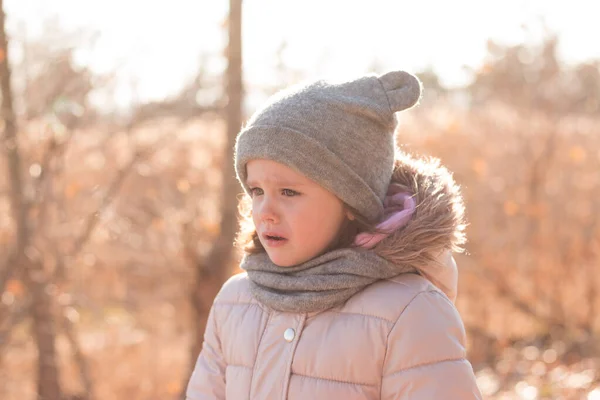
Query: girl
<point x="349" y="285"/>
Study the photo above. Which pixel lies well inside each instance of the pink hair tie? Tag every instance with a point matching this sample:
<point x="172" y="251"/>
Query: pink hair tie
<point x="398" y="208"/>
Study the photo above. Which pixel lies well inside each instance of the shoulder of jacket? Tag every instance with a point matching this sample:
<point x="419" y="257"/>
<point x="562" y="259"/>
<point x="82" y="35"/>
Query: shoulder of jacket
<point x="236" y="290"/>
<point x="427" y="332"/>
<point x="387" y="299"/>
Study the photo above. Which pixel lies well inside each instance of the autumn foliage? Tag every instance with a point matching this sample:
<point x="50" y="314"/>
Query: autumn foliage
<point x="114" y="208"/>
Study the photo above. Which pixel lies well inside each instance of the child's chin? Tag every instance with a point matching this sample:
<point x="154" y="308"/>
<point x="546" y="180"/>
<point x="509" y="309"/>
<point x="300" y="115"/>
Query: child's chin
<point x="282" y="263"/>
<point x="285" y="261"/>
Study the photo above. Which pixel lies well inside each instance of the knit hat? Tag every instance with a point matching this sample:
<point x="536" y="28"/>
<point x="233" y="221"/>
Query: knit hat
<point x="340" y="135"/>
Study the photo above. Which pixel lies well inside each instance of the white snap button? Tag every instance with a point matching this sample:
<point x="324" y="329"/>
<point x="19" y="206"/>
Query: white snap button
<point x="289" y="334"/>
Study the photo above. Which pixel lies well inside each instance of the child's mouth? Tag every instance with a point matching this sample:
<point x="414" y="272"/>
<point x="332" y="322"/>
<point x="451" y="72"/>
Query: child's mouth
<point x="274" y="241"/>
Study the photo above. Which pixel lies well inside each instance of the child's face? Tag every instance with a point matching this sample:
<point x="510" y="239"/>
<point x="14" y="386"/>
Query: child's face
<point x="286" y="204"/>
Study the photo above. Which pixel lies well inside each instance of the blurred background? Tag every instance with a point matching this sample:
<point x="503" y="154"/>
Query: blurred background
<point x="118" y="198"/>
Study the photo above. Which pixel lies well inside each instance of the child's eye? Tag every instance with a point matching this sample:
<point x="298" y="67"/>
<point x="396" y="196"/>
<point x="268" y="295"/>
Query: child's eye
<point x="290" y="192"/>
<point x="255" y="191"/>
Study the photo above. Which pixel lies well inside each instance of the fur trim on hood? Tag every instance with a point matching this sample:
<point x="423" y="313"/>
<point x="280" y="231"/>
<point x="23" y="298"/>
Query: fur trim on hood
<point x="437" y="226"/>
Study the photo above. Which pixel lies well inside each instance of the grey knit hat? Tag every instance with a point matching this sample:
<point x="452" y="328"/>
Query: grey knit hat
<point x="340" y="135"/>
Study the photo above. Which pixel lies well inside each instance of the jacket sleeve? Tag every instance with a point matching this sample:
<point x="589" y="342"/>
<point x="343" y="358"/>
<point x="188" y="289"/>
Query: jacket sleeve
<point x="426" y="356"/>
<point x="208" y="379"/>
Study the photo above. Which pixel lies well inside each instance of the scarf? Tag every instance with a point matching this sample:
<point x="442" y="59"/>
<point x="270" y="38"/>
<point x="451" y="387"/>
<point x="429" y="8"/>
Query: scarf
<point x="330" y="279"/>
<point x="321" y="283"/>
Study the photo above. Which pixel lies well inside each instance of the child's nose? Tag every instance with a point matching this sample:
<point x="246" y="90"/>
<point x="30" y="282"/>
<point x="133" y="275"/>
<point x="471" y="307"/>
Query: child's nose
<point x="268" y="210"/>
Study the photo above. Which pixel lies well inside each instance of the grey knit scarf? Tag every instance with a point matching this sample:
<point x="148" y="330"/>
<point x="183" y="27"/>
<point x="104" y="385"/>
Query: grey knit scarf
<point x="321" y="283"/>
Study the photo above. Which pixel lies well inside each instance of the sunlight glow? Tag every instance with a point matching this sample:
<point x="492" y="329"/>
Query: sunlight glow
<point x="156" y="49"/>
<point x="594" y="394"/>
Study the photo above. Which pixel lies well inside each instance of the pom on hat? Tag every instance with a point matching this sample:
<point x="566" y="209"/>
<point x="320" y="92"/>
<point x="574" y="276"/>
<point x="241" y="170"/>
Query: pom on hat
<point x="402" y="89"/>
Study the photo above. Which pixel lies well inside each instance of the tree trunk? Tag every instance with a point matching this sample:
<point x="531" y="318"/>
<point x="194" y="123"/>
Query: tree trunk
<point x="44" y="332"/>
<point x="43" y="324"/>
<point x="213" y="270"/>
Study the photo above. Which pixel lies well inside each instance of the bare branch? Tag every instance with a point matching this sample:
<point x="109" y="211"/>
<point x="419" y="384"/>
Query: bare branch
<point x="505" y="290"/>
<point x="10" y="145"/>
<point x="182" y="110"/>
<point x="113" y="189"/>
<point x="14" y="318"/>
<point x="54" y="149"/>
<point x="8" y="269"/>
<point x="70" y="331"/>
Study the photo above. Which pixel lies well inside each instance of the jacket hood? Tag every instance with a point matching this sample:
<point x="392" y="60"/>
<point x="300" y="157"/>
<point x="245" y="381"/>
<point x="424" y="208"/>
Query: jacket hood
<point x="437" y="226"/>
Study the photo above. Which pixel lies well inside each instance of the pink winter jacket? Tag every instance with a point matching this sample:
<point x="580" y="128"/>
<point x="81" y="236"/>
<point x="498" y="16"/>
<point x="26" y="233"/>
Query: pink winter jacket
<point x="400" y="338"/>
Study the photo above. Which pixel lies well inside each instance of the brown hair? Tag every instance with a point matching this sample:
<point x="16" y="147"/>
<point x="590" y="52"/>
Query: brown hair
<point x="248" y="241"/>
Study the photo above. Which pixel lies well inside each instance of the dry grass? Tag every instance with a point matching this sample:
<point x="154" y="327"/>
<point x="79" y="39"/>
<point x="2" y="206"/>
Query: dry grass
<point x="531" y="185"/>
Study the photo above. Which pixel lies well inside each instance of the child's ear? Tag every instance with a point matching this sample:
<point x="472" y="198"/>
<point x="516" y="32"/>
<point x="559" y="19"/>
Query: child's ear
<point x="350" y="216"/>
